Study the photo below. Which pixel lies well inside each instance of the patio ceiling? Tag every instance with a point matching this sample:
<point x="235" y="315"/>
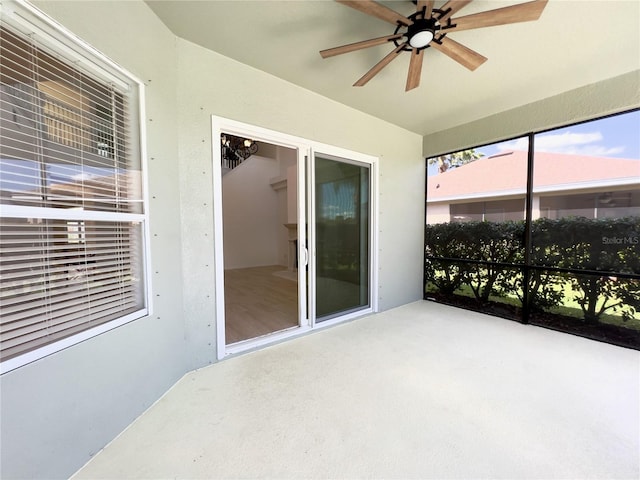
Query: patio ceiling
<point x="574" y="43"/>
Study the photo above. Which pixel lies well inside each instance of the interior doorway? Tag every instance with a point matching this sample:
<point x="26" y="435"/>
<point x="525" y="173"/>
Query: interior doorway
<point x="259" y="201"/>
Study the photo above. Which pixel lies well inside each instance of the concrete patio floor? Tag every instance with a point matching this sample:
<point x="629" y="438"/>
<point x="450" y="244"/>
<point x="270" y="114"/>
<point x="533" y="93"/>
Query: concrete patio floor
<point x="421" y="391"/>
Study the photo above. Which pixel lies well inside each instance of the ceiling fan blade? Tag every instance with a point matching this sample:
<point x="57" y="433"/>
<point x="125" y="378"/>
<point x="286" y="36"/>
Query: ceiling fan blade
<point x="379" y="66"/>
<point x="376" y="10"/>
<point x="352" y="47"/>
<point x="461" y="54"/>
<point x="415" y="69"/>
<point x="524" y="12"/>
<point x="453" y="6"/>
<point x="427" y="5"/>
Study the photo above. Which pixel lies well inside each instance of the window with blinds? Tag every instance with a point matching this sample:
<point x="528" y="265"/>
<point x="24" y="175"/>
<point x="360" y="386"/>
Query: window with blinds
<point x="72" y="223"/>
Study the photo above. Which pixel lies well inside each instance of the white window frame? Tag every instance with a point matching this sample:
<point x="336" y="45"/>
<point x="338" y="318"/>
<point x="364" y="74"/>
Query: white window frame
<point x="27" y="18"/>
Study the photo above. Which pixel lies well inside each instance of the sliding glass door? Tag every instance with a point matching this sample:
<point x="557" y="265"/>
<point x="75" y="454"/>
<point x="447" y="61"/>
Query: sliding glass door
<point x="295" y="236"/>
<point x="342" y="236"/>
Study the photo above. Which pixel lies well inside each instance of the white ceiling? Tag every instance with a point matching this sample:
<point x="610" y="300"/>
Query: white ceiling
<point x="574" y="43"/>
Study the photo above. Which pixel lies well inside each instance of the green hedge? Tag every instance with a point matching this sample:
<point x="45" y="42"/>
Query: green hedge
<point x="610" y="246"/>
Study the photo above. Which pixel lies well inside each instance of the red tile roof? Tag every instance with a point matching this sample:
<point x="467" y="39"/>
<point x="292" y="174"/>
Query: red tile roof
<point x="506" y="173"/>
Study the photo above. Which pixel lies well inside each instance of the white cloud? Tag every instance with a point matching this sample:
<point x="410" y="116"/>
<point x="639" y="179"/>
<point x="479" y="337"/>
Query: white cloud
<point x="519" y="144"/>
<point x="571" y="143"/>
<point x="82" y="176"/>
<point x="592" y="151"/>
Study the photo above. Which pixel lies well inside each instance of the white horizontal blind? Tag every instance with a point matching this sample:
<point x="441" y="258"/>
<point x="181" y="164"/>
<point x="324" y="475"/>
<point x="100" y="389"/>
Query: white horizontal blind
<point x="68" y="145"/>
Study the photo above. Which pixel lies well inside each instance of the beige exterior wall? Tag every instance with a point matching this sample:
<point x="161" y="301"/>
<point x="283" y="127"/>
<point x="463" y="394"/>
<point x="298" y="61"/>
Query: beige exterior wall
<point x="93" y="390"/>
<point x="595" y="203"/>
<point x="438" y="213"/>
<point x="59" y="411"/>
<point x="210" y="85"/>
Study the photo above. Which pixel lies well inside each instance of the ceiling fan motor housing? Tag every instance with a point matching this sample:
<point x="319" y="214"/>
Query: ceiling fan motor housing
<point x="421" y="32"/>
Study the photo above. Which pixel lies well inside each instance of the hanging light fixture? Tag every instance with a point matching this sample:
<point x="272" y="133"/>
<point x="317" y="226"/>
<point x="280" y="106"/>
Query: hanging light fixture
<point x="235" y="150"/>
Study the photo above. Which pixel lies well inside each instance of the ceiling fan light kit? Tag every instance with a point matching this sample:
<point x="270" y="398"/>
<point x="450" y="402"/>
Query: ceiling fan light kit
<point x="421" y="32"/>
<point x="429" y="27"/>
<point x="421" y="39"/>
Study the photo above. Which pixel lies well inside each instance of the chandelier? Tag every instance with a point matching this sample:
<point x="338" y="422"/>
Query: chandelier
<point x="235" y="150"/>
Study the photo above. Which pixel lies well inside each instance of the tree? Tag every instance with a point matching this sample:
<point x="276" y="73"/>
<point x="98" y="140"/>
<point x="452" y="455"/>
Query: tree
<point x="454" y="160"/>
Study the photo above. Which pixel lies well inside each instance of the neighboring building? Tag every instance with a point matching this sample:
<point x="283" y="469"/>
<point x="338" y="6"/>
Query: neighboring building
<point x="493" y="188"/>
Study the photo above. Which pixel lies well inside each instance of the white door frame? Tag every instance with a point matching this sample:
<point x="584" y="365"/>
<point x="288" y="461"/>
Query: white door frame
<point x="348" y="157"/>
<point x="306" y="150"/>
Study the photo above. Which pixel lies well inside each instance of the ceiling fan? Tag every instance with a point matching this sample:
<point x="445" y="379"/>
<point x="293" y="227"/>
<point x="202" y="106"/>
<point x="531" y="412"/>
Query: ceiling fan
<point x="430" y="27"/>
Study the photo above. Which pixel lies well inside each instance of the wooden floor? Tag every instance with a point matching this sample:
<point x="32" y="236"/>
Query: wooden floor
<point x="257" y="302"/>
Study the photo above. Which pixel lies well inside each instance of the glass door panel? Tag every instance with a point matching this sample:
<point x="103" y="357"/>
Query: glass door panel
<point x="260" y="196"/>
<point x="342" y="229"/>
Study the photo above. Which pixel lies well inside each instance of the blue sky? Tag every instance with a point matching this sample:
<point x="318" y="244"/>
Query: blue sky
<point x="22" y="175"/>
<point x="617" y="136"/>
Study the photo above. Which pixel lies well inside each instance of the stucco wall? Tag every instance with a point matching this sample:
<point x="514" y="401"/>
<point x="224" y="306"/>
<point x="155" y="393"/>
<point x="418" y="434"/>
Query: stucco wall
<point x="211" y="84"/>
<point x="59" y="411"/>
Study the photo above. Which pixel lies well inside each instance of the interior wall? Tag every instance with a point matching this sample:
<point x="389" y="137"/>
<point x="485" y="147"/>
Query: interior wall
<point x="610" y="96"/>
<point x="251" y="223"/>
<point x="284" y="184"/>
<point x="211" y="84"/>
<point x="287" y="201"/>
<point x="59" y="411"/>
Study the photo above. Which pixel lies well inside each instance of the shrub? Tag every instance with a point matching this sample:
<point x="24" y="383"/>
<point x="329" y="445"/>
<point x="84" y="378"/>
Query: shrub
<point x="606" y="246"/>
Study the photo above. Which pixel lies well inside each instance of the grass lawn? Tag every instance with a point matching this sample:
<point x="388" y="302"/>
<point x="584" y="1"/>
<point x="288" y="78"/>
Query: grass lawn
<point x="570" y="307"/>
